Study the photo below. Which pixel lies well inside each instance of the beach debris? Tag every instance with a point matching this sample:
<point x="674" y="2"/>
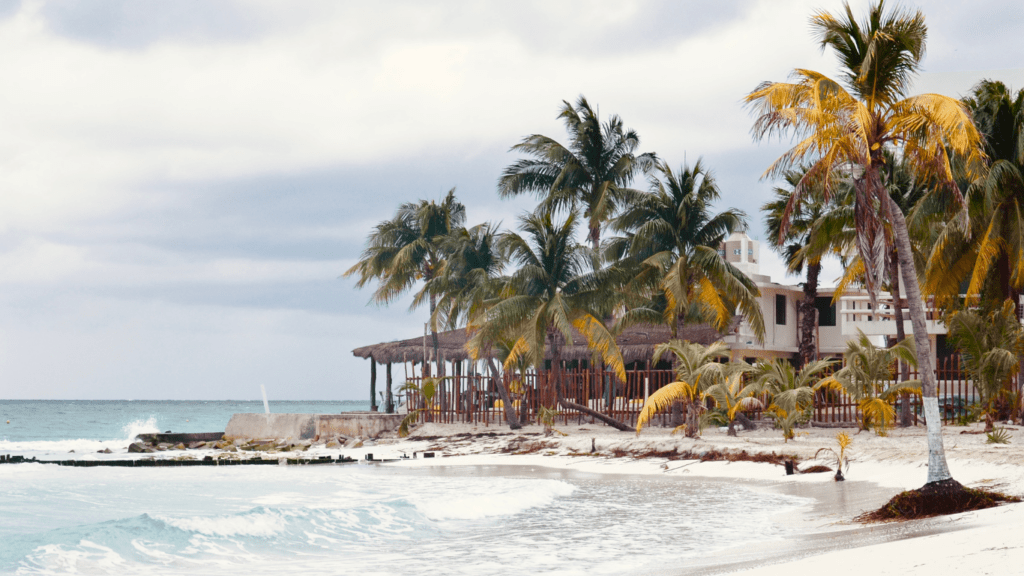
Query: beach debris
<point x="936" y="499"/>
<point x="816" y="469"/>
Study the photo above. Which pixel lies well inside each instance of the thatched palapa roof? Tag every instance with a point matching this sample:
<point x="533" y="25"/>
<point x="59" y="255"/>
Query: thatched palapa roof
<point x="635" y="343"/>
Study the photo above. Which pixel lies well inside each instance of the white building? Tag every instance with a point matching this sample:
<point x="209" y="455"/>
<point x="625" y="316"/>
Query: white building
<point x="836" y="322"/>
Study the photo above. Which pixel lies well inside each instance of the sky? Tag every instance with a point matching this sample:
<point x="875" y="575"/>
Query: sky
<point x="183" y="182"/>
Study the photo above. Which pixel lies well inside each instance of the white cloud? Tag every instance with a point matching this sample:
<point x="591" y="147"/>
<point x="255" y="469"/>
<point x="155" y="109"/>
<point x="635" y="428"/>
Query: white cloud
<point x="114" y="142"/>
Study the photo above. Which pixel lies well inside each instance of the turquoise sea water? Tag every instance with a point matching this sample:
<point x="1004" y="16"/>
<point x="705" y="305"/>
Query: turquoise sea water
<point x="356" y="518"/>
<point x="61" y="420"/>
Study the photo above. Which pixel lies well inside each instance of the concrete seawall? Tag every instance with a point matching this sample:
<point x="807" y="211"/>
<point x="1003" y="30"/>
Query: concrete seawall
<point x="309" y="426"/>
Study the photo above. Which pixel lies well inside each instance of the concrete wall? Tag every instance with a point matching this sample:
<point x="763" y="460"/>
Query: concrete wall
<point x="352" y="424"/>
<point x="309" y="426"/>
<point x="295" y="426"/>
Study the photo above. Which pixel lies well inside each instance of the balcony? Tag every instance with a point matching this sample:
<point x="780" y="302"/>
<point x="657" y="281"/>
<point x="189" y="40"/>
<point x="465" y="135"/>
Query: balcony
<point x="855" y="313"/>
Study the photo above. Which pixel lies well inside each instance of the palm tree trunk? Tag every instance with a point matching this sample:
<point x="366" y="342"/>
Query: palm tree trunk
<point x="938" y="471"/>
<point x="808" y="351"/>
<point x="556" y="372"/>
<point x="506" y="400"/>
<point x="901" y="333"/>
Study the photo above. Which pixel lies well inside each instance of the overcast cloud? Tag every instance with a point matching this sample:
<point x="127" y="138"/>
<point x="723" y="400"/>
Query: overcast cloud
<point x="182" y="183"/>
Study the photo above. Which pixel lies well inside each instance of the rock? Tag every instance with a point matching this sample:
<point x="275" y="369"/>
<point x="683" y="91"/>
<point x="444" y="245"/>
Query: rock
<point x="71" y="451"/>
<point x="330" y="444"/>
<point x="149" y="450"/>
<point x="104" y="451"/>
<point x="179" y="446"/>
<point x="136" y="447"/>
<point x="196" y="445"/>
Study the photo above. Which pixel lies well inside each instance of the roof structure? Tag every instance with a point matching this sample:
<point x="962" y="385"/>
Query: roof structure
<point x="635" y="343"/>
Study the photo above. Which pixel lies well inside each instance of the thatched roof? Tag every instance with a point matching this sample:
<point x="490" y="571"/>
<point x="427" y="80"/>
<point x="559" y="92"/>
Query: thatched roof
<point x="635" y="343"/>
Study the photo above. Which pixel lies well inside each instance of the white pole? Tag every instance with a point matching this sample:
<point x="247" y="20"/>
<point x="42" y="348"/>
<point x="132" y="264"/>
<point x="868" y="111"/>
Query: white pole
<point x="647" y="389"/>
<point x="266" y="406"/>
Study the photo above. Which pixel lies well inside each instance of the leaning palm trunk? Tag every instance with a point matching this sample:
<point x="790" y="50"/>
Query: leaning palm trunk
<point x="506" y="400"/>
<point x="938" y="471"/>
<point x="556" y="373"/>
<point x="901" y="334"/>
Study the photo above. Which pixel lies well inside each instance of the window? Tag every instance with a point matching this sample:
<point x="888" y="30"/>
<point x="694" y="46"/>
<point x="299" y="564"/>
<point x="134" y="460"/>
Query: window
<point x="780" y="309"/>
<point x="737" y="252"/>
<point x="750" y="251"/>
<point x="826" y="311"/>
<point x="721" y="252"/>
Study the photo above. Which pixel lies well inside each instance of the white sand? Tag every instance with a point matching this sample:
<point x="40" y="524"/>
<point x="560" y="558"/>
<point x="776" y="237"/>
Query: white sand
<point x="983" y="542"/>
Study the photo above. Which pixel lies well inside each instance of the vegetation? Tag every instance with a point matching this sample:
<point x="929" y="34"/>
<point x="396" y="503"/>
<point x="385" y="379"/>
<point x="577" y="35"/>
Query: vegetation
<point x="697" y="369"/>
<point x="791" y="392"/>
<point x="869" y="378"/>
<point x="593" y="171"/>
<point x="896" y="183"/>
<point x="799" y="232"/>
<point x="843" y="441"/>
<point x="670" y="251"/>
<point x="990" y="345"/>
<point x="848" y="126"/>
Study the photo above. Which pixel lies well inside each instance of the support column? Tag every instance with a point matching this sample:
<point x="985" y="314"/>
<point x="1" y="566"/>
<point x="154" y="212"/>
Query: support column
<point x="373" y="385"/>
<point x="389" y="400"/>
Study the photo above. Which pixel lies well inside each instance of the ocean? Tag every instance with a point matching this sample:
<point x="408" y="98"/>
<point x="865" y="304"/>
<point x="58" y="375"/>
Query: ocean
<point x="341" y="519"/>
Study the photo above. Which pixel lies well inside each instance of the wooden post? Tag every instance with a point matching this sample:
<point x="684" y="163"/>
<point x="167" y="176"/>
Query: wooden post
<point x="373" y="385"/>
<point x="389" y="402"/>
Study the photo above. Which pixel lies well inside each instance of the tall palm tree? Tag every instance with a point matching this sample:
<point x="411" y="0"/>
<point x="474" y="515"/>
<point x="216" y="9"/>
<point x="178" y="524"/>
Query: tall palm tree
<point x="550" y="294"/>
<point x="468" y="282"/>
<point x="591" y="171"/>
<point x="670" y="248"/>
<point x="849" y="127"/>
<point x="989" y="253"/>
<point x="407" y="249"/>
<point x="800" y="248"/>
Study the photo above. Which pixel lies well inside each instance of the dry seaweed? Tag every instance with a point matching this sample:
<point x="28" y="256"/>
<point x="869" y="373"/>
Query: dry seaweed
<point x="936" y="499"/>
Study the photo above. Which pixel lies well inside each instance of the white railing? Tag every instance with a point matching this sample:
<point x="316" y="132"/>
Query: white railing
<point x="856" y="312"/>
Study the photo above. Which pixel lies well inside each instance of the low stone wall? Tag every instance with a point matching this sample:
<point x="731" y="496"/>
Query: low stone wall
<point x="294" y="426"/>
<point x="309" y="426"/>
<point x="356" y="424"/>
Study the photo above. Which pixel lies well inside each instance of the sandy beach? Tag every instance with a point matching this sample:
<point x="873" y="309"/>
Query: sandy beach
<point x="983" y="542"/>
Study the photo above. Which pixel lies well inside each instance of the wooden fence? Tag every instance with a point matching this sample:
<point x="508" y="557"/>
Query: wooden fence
<point x="473" y="399"/>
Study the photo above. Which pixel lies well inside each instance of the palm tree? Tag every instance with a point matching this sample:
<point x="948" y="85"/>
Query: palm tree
<point x="850" y="127"/>
<point x="733" y="395"/>
<point x="799" y="247"/>
<point x="988" y="253"/>
<point x="546" y="298"/>
<point x="697" y="368"/>
<point x="867" y="378"/>
<point x="469" y="281"/>
<point x="990" y="345"/>
<point x="670" y="247"/>
<point x="791" y="390"/>
<point x="592" y="171"/>
<point x="408" y="248"/>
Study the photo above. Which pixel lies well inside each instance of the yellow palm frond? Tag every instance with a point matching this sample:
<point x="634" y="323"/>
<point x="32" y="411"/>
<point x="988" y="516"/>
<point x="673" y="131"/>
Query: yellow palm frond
<point x="601" y="341"/>
<point x="878" y="413"/>
<point x="664" y="398"/>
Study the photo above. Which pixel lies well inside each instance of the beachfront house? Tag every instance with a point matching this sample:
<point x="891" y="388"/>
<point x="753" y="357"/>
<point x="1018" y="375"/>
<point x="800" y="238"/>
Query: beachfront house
<point x="837" y="321"/>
